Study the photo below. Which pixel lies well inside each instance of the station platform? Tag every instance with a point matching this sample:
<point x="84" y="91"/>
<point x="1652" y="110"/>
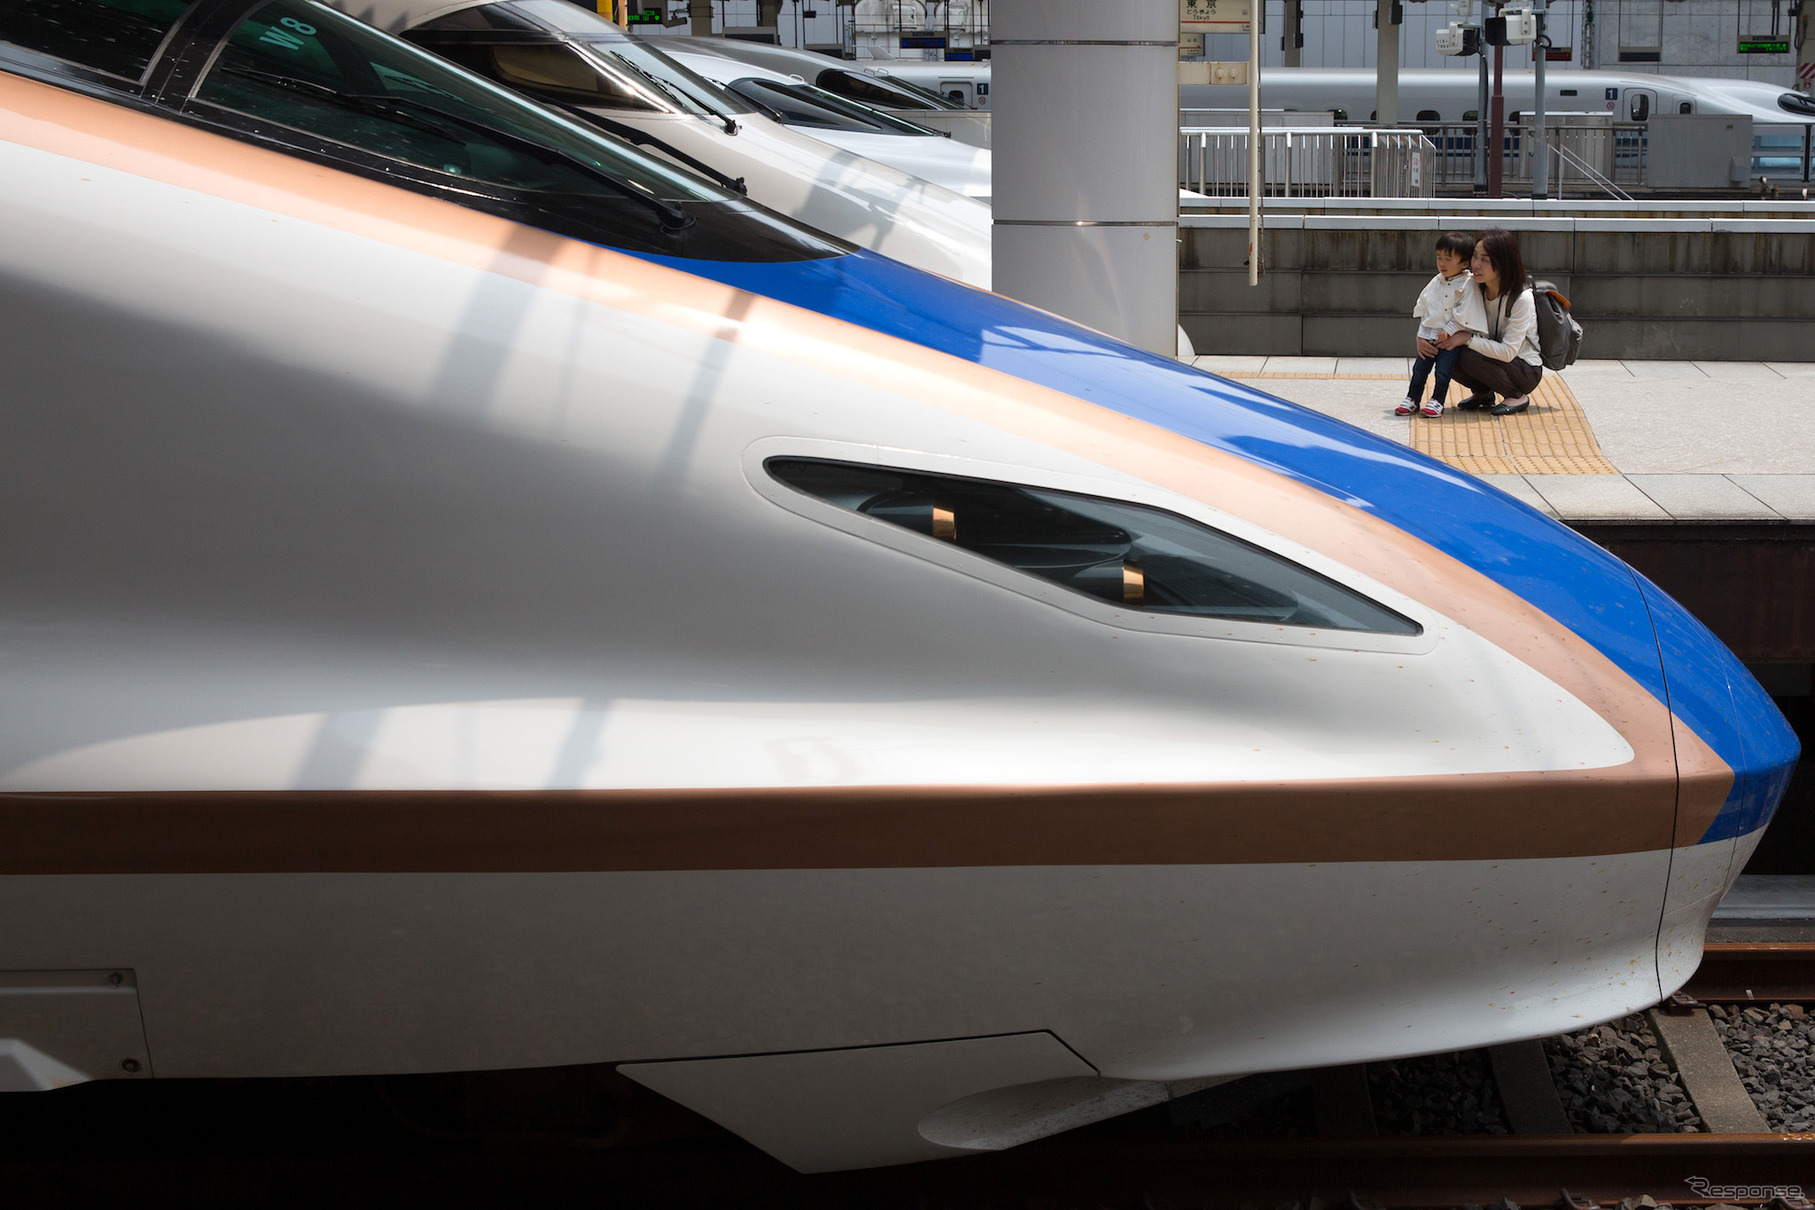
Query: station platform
<point x="1604" y="442"/>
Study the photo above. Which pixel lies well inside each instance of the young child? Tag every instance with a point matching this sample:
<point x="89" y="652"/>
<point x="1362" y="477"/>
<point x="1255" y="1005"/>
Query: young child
<point x="1449" y="303"/>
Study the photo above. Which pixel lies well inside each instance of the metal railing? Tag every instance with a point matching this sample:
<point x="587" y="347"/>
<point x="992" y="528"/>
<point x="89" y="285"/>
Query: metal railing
<point x="1309" y="162"/>
<point x="1600" y="158"/>
<point x="1564" y="162"/>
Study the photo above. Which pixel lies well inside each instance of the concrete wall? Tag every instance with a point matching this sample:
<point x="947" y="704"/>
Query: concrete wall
<point x="1709" y="289"/>
<point x="1694" y="38"/>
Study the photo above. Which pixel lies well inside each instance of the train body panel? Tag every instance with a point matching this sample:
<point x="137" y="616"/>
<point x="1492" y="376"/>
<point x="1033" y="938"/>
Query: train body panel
<point x="418" y="658"/>
<point x="561" y="352"/>
<point x="1149" y="972"/>
<point x="1452" y="95"/>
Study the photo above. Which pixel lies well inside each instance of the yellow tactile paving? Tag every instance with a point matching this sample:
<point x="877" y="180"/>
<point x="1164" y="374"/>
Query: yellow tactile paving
<point x="1552" y="437"/>
<point x="1382" y="377"/>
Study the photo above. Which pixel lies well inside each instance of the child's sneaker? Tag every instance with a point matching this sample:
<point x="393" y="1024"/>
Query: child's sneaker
<point x="1431" y="408"/>
<point x="1406" y="408"/>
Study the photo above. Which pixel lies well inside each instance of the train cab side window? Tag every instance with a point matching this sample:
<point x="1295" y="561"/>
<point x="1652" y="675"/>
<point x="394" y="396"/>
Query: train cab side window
<point x="858" y="87"/>
<point x="116" y="37"/>
<point x="1429" y="115"/>
<point x="884" y="94"/>
<point x="1685" y="107"/>
<point x="1129" y="555"/>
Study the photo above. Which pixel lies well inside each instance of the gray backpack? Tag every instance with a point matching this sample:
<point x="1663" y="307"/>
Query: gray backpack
<point x="1559" y="335"/>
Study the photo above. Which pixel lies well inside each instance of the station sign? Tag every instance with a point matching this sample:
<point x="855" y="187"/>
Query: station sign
<point x="1559" y="54"/>
<point x="647" y="16"/>
<point x="1764" y="46"/>
<point x="1215" y="16"/>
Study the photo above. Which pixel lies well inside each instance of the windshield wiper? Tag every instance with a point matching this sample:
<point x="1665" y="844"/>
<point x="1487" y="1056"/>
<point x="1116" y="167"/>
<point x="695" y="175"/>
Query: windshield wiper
<point x="640" y="138"/>
<point x="729" y="124"/>
<point x="412" y="112"/>
<point x="672" y="217"/>
<point x="711" y="88"/>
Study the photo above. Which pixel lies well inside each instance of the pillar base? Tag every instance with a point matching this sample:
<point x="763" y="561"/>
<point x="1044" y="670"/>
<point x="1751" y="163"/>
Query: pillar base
<point x="1087" y="274"/>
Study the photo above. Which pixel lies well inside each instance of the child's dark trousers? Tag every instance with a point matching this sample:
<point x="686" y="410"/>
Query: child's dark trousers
<point x="1445" y="361"/>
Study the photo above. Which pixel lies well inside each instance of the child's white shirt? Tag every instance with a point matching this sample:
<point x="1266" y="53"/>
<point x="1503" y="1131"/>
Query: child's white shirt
<point x="1449" y="304"/>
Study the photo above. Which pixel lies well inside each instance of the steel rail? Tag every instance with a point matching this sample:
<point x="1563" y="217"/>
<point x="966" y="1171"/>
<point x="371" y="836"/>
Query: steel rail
<point x="1755" y="973"/>
<point x="1425" y="1173"/>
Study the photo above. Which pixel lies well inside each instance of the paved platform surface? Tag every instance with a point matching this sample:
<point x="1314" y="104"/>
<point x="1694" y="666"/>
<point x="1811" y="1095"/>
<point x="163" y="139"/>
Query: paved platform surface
<point x="1624" y="441"/>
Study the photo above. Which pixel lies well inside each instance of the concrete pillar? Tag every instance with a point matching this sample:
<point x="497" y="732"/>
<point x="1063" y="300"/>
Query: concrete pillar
<point x="1294" y="34"/>
<point x="1085" y="142"/>
<point x="1386" y="63"/>
<point x="699" y="18"/>
<point x="768" y="12"/>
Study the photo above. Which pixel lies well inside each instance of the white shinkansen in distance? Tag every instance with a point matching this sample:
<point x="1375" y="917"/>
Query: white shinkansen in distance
<point x="1443" y="95"/>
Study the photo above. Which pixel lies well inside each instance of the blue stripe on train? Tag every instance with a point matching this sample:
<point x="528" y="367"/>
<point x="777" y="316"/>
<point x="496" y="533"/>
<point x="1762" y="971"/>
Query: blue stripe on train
<point x="1570" y="578"/>
<point x="1723" y="703"/>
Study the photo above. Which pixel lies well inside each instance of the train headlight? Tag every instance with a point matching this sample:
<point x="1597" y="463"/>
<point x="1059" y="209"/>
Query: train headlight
<point x="1130" y="555"/>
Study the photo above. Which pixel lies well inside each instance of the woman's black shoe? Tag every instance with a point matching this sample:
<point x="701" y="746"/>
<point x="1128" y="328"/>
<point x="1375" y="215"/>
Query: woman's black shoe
<point x="1480" y="401"/>
<point x="1512" y="405"/>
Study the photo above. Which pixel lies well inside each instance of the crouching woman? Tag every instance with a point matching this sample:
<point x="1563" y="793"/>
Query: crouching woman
<point x="1505" y="361"/>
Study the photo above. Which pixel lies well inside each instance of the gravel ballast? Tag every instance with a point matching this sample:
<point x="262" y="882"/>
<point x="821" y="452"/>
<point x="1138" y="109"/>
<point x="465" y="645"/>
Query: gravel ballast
<point x="1613" y="1079"/>
<point x="1436" y="1094"/>
<point x="1773" y="1050"/>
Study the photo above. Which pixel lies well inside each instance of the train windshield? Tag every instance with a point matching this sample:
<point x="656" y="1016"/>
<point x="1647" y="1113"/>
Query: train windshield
<point x="805" y="105"/>
<point x="662" y="70"/>
<point x="571" y="54"/>
<point x="117" y="37"/>
<point x="294" y="65"/>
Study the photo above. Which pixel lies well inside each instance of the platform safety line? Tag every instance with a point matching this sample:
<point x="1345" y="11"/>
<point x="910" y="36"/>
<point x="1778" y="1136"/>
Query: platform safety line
<point x="1552" y="437"/>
